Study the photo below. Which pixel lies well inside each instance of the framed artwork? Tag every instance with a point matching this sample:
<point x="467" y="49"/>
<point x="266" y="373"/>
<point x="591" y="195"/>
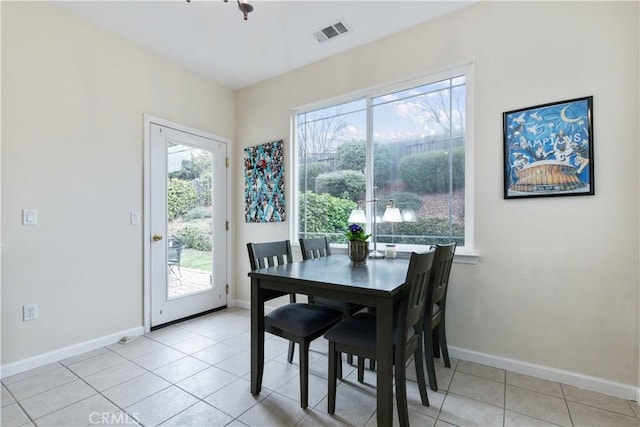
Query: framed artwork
<point x="264" y="183"/>
<point x="548" y="150"/>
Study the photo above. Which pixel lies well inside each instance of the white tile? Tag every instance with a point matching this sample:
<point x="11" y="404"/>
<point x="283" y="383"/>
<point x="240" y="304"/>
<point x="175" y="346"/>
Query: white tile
<point x="194" y="344"/>
<point x="513" y="419"/>
<point x="6" y="398"/>
<point x="216" y="353"/>
<point x="239" y="364"/>
<point x="241" y="341"/>
<point x="206" y="382"/>
<point x="317" y="389"/>
<point x="483" y="371"/>
<point x="537" y="405"/>
<point x="40" y="383"/>
<point x="462" y="411"/>
<point x="13" y="416"/>
<point x="30" y="373"/>
<point x="137" y="348"/>
<point x="535" y="384"/>
<point x="57" y="398"/>
<point x="599" y="400"/>
<point x="80" y="357"/>
<point x="158" y="358"/>
<point x="587" y="416"/>
<point x="170" y="335"/>
<point x="113" y="376"/>
<point x="96" y="364"/>
<point x="181" y="369"/>
<point x="91" y="410"/>
<point x="276" y="374"/>
<point x="482" y="389"/>
<point x="136" y="389"/>
<point x="318" y="419"/>
<point x="236" y="398"/>
<point x="355" y="402"/>
<point x="199" y="414"/>
<point x="161" y="406"/>
<point x="275" y="410"/>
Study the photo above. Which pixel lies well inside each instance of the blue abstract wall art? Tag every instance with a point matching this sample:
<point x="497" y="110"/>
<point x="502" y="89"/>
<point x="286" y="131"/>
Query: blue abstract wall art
<point x="264" y="183"/>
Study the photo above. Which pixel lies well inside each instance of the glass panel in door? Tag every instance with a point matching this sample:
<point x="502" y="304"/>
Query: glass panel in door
<point x="189" y="222"/>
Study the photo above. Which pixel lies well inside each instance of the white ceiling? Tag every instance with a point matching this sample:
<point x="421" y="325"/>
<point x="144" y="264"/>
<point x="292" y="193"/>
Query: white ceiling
<point x="211" y="37"/>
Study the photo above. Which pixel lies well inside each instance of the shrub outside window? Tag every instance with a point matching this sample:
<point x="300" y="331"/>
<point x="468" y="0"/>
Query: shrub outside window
<point x="406" y="146"/>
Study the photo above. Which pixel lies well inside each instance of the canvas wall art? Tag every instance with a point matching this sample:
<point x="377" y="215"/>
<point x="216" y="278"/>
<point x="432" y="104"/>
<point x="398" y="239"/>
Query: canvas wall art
<point x="264" y="183"/>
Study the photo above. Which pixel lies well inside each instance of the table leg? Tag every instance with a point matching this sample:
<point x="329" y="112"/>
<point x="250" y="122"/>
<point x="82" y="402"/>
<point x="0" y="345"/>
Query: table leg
<point x="384" y="351"/>
<point x="257" y="337"/>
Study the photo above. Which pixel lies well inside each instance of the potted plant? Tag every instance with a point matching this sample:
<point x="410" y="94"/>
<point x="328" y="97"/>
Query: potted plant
<point x="358" y="244"/>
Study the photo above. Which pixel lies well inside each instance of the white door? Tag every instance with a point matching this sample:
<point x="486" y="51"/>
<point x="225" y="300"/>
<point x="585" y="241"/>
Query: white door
<point x="187" y="224"/>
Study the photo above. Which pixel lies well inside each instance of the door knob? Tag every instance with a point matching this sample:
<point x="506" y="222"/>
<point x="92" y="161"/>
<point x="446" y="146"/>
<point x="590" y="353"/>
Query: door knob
<point x="157" y="237"/>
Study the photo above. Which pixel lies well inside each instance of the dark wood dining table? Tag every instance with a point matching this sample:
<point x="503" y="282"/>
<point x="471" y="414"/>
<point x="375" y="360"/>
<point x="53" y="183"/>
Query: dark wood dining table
<point x="376" y="284"/>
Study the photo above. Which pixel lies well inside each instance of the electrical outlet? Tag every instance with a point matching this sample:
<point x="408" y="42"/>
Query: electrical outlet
<point x="29" y="312"/>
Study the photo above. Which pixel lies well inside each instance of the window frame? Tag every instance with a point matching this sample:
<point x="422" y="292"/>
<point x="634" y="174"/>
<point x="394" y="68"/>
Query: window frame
<point x="464" y="254"/>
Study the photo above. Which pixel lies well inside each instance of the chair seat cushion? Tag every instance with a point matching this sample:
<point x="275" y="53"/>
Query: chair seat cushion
<point x="345" y="307"/>
<point x="302" y="319"/>
<point x="359" y="331"/>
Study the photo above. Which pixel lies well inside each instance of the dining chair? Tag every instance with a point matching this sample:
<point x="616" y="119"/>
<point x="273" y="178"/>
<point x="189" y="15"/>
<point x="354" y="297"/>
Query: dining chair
<point x="297" y="322"/>
<point x="435" y="310"/>
<point x="357" y="335"/>
<point x="174" y="253"/>
<point x="316" y="248"/>
<point x="319" y="247"/>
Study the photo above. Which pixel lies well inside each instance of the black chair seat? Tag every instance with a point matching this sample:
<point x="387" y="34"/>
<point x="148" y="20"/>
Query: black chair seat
<point x="359" y="330"/>
<point x="302" y="319"/>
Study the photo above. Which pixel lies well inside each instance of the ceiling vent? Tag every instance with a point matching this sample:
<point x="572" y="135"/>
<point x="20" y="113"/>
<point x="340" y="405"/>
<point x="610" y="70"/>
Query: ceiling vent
<point x="331" y="32"/>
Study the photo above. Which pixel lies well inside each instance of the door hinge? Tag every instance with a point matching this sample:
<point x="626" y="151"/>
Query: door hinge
<point x="226" y="225"/>
<point x="227" y="289"/>
<point x="227" y="161"/>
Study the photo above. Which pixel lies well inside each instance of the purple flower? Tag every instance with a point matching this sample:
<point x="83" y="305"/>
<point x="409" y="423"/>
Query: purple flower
<point x="356" y="232"/>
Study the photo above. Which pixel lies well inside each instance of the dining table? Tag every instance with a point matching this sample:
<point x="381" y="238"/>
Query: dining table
<point x="376" y="284"/>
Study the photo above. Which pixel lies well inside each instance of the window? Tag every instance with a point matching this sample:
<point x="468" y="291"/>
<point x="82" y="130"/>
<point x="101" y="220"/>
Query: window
<point x="405" y="148"/>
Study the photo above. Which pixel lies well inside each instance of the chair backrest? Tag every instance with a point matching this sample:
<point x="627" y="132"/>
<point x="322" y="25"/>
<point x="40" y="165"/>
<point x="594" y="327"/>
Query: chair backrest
<point x="174" y="250"/>
<point x="268" y="254"/>
<point x="315" y="248"/>
<point x="414" y="295"/>
<point x="441" y="268"/>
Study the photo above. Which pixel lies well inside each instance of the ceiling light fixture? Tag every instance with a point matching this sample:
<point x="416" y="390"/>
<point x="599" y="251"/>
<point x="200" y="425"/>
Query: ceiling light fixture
<point x="244" y="7"/>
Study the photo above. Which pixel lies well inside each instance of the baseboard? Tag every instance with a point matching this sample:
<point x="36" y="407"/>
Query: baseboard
<point x="600" y="385"/>
<point x="65" y="352"/>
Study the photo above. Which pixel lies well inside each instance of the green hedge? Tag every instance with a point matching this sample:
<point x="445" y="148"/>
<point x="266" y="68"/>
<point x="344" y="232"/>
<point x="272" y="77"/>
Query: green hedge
<point x="352" y="156"/>
<point x="428" y="171"/>
<point x="325" y="215"/>
<point x="181" y="197"/>
<point x="344" y="184"/>
<point x="196" y="236"/>
<point x="312" y="170"/>
<point x="425" y="231"/>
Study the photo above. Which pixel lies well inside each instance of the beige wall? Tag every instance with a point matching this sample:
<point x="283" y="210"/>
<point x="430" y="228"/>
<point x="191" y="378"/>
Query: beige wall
<point x="73" y="101"/>
<point x="557" y="281"/>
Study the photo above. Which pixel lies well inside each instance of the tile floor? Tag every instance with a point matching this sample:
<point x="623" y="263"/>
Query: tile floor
<point x="197" y="374"/>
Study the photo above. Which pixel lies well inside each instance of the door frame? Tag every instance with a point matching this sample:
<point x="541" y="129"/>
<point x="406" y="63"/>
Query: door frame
<point x="146" y="218"/>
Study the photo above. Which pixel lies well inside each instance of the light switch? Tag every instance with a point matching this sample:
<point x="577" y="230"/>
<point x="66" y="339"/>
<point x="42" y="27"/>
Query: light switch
<point x="29" y="216"/>
<point x="135" y="217"/>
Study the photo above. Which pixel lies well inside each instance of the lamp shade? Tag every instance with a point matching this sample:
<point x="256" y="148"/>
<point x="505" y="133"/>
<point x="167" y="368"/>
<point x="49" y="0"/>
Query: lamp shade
<point x="392" y="214"/>
<point x="357" y="216"/>
<point x="408" y="216"/>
